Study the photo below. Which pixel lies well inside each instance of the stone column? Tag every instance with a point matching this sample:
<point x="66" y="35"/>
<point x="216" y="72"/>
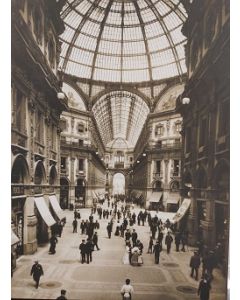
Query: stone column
<point x="30" y="227"/>
<point x="192" y="220"/>
<point x="72" y="181"/>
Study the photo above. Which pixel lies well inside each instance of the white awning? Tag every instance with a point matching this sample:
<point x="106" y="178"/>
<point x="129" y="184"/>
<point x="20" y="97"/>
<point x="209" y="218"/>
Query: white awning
<point x="155" y="197"/>
<point x="44" y="211"/>
<point x="56" y="207"/>
<point x="173" y="199"/>
<point x="14" y="238"/>
<point x="182" y="210"/>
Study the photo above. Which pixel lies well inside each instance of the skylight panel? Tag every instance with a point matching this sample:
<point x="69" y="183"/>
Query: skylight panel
<point x="73" y="19"/>
<point x="158" y="43"/>
<point x="83" y="7"/>
<point x="134" y="48"/>
<point x="86" y="42"/>
<point x="113" y="48"/>
<point x="91" y="28"/>
<point x="172" y="21"/>
<point x="135" y="62"/>
<point x="153" y="29"/>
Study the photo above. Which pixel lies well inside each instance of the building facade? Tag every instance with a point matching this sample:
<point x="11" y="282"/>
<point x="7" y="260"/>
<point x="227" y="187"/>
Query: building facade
<point x="36" y="110"/>
<point x="204" y="106"/>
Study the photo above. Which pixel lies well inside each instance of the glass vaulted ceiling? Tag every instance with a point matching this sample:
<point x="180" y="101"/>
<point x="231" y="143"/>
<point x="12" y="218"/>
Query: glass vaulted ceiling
<point x="120" y="116"/>
<point x="123" y="40"/>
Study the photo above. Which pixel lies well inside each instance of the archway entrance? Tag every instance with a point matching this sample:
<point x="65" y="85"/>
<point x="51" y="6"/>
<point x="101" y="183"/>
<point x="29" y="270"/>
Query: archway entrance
<point x="64" y="193"/>
<point x="118" y="184"/>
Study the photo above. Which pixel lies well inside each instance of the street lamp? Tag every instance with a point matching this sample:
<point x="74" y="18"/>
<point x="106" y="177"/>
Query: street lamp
<point x="185" y="100"/>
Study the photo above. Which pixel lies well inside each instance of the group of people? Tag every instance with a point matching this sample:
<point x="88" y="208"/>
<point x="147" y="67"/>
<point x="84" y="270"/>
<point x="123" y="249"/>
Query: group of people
<point x="125" y="219"/>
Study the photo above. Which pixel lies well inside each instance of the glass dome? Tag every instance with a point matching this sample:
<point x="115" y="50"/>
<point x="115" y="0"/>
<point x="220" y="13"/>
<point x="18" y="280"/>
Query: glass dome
<point x="123" y="40"/>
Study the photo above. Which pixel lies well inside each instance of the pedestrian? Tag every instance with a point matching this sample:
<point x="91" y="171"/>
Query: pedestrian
<point x="194" y="264"/>
<point x="60" y="228"/>
<point x="37" y="272"/>
<point x="168" y="242"/>
<point x="82" y="248"/>
<point x="134" y="237"/>
<point x="89" y="249"/>
<point x="82" y="226"/>
<point x="177" y="240"/>
<point x="95" y="241"/>
<point x="53" y="241"/>
<point x="74" y="224"/>
<point x="160" y="235"/>
<point x="109" y="230"/>
<point x="62" y="297"/>
<point x="127" y="235"/>
<point x="184" y="241"/>
<point x="204" y="288"/>
<point x="150" y="245"/>
<point x="157" y="250"/>
<point x="127" y="290"/>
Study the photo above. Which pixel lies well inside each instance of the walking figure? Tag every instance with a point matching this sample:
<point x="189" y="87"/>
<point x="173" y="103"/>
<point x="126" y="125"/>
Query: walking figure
<point x="53" y="242"/>
<point x="82" y="248"/>
<point x="127" y="290"/>
<point x="168" y="242"/>
<point x="36" y="272"/>
<point x="74" y="224"/>
<point x="62" y="297"/>
<point x="194" y="264"/>
<point x="204" y="288"/>
<point x="157" y="250"/>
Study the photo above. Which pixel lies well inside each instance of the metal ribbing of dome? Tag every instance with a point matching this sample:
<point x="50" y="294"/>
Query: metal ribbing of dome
<point x="123" y="40"/>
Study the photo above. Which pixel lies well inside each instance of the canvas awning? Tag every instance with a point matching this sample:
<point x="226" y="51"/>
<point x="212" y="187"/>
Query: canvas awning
<point x="56" y="207"/>
<point x="182" y="210"/>
<point x="14" y="238"/>
<point x="173" y="199"/>
<point x="44" y="211"/>
<point x="155" y="197"/>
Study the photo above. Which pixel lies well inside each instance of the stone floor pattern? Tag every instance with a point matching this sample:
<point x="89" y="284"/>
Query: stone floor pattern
<point x="102" y="279"/>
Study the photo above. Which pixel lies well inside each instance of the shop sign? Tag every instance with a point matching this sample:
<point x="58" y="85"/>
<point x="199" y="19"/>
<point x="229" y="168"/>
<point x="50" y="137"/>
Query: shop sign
<point x="17" y="190"/>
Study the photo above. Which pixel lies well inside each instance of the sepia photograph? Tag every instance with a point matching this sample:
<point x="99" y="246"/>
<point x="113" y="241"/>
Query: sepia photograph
<point x="120" y="149"/>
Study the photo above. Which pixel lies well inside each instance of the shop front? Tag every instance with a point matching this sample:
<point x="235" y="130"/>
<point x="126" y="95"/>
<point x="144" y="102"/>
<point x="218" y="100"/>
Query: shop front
<point x="44" y="219"/>
<point x="17" y="216"/>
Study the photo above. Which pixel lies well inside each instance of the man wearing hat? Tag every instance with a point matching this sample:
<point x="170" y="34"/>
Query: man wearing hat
<point x="37" y="272"/>
<point x="194" y="264"/>
<point x="82" y="248"/>
<point x="62" y="297"/>
<point x="157" y="250"/>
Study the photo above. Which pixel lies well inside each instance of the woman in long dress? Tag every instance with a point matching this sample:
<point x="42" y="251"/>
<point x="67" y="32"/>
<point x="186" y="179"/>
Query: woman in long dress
<point x="135" y="255"/>
<point x="126" y="254"/>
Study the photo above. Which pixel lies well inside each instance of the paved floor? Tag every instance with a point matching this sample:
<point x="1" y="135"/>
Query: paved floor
<point x="103" y="278"/>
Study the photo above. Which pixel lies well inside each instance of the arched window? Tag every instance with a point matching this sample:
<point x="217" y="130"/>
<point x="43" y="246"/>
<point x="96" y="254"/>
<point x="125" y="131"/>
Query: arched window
<point x="51" y="52"/>
<point x="20" y="172"/>
<point x="37" y="25"/>
<point x="53" y="176"/>
<point x="174" y="186"/>
<point x="39" y="175"/>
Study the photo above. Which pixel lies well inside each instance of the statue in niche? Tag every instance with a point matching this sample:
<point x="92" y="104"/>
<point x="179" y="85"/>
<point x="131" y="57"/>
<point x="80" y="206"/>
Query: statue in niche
<point x="71" y="100"/>
<point x="170" y="103"/>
